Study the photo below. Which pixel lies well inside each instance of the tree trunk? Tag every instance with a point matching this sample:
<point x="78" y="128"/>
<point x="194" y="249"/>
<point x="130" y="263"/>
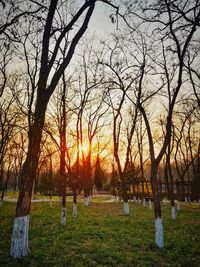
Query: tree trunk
<point x="150" y="204"/>
<point x="50" y="181"/>
<point x="147" y="188"/>
<point x="63" y="209"/>
<point x="178" y="205"/>
<point x="74" y="210"/>
<point x="144" y="202"/>
<point x="167" y="182"/>
<point x="126" y="208"/>
<point x="15" y="185"/>
<point x="171" y="188"/>
<point x="74" y="213"/>
<point x="159" y="237"/>
<point x="124" y="196"/>
<point x="1" y="174"/>
<point x="19" y="243"/>
<point x="5" y="186"/>
<point x="86" y="198"/>
<point x="172" y="202"/>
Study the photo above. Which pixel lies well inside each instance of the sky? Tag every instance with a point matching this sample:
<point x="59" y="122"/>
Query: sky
<point x="100" y="22"/>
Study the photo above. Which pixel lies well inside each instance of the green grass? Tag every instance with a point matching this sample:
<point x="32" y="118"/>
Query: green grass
<point x="102" y="236"/>
<point x="95" y="198"/>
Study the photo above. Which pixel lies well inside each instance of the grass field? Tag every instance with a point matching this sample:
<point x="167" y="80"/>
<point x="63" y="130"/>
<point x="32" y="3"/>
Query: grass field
<point x="102" y="236"/>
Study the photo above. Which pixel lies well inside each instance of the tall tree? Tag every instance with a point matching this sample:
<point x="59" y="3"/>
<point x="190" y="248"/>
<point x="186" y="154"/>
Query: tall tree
<point x="176" y="25"/>
<point x="120" y="79"/>
<point x="49" y="73"/>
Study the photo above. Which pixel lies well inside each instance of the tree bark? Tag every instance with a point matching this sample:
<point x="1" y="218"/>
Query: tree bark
<point x="159" y="236"/>
<point x="19" y="243"/>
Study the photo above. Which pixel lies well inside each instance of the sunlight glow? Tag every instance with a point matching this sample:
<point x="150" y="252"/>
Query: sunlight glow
<point x="84" y="148"/>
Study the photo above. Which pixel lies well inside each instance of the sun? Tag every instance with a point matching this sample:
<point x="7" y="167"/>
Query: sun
<point x="84" y="148"/>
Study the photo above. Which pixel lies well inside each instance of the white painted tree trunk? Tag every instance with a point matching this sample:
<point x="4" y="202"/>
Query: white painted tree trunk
<point x="85" y="201"/>
<point x="185" y="199"/>
<point x="126" y="208"/>
<point x="63" y="216"/>
<point x="144" y="202"/>
<point x="74" y="213"/>
<point x="150" y="204"/>
<point x="89" y="200"/>
<point x="139" y="200"/>
<point x="134" y="199"/>
<point x="159" y="238"/>
<point x="173" y="213"/>
<point x="178" y="205"/>
<point x="19" y="240"/>
<point x="113" y="199"/>
<point x="165" y="200"/>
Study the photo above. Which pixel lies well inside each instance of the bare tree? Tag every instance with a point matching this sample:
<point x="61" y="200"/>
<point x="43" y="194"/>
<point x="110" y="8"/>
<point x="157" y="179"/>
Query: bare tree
<point x="141" y="145"/>
<point x="12" y="15"/>
<point x="172" y="26"/>
<point x="120" y="84"/>
<point x="186" y="151"/>
<point x="49" y="73"/>
<point x="91" y="113"/>
<point x="8" y="172"/>
<point x="8" y="120"/>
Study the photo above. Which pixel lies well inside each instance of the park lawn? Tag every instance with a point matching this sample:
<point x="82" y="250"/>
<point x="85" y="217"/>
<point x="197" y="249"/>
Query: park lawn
<point x="96" y="198"/>
<point x="102" y="236"/>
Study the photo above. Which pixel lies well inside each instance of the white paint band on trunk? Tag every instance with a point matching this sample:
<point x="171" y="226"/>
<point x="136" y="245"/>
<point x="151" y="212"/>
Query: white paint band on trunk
<point x="85" y="201"/>
<point x="165" y="200"/>
<point x="90" y="200"/>
<point x="19" y="240"/>
<point x="178" y="205"/>
<point x="150" y="204"/>
<point x="74" y="210"/>
<point x="126" y="208"/>
<point x="173" y="213"/>
<point x="159" y="238"/>
<point x="144" y="202"/>
<point x="63" y="215"/>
